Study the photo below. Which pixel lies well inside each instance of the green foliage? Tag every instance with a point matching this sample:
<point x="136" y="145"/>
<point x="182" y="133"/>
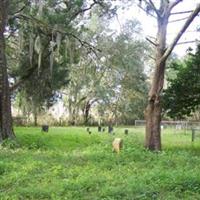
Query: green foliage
<point x="127" y="99"/>
<point x="51" y="57"/>
<point x="182" y="97"/>
<point x="10" y="143"/>
<point x="68" y="163"/>
<point x="51" y="45"/>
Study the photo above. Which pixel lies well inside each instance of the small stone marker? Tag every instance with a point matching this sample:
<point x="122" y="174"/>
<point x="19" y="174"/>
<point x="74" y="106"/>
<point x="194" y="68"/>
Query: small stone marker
<point x="88" y="130"/>
<point x="110" y="129"/>
<point x="103" y="129"/>
<point x="117" y="145"/>
<point x="99" y="128"/>
<point x="126" y="131"/>
<point x="193" y="135"/>
<point x="45" y="128"/>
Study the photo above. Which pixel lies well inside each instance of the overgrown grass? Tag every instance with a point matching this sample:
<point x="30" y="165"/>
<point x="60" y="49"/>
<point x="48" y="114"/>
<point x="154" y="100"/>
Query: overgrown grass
<point x="68" y="163"/>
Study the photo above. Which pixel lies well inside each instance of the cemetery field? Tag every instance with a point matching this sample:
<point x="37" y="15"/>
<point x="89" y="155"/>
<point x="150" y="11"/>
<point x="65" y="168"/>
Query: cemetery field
<point x="68" y="163"/>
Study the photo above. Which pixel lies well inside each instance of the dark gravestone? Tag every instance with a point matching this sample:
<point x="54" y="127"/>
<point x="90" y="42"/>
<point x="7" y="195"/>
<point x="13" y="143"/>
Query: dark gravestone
<point x="110" y="129"/>
<point x="45" y="128"/>
<point x="99" y="128"/>
<point x="193" y="135"/>
<point x="103" y="129"/>
<point x="126" y="131"/>
<point x="87" y="129"/>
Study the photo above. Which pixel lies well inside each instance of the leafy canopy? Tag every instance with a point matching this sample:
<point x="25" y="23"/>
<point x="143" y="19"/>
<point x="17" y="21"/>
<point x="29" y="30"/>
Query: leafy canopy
<point x="182" y="97"/>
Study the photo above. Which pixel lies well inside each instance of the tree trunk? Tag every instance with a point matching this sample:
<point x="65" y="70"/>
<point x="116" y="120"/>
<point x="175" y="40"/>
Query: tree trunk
<point x="154" y="109"/>
<point x="86" y="112"/>
<point x="35" y="117"/>
<point x="5" y="103"/>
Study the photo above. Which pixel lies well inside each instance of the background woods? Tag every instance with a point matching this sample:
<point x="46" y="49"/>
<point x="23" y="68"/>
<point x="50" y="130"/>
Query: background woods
<point x="66" y="50"/>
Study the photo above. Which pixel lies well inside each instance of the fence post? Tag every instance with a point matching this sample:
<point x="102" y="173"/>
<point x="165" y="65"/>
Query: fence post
<point x="193" y="134"/>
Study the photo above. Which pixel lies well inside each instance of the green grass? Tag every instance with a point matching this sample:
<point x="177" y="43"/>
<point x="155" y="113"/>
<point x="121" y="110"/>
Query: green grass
<point x="68" y="163"/>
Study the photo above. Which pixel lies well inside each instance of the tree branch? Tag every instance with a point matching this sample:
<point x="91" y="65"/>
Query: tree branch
<point x="183" y="12"/>
<point x="82" y="11"/>
<point x="188" y="42"/>
<point x="151" y="41"/>
<point x="23" y="78"/>
<point x="153" y="58"/>
<point x="183" y="29"/>
<point x="154" y="8"/>
<point x="42" y="24"/>
<point x="177" y="20"/>
<point x="20" y="10"/>
<point x="146" y="11"/>
<point x="174" y="3"/>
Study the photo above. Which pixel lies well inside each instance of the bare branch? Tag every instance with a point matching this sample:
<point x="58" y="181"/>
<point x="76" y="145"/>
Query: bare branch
<point x="174" y="3"/>
<point x="151" y="41"/>
<point x="146" y="11"/>
<point x="153" y="58"/>
<point x="183" y="12"/>
<point x="150" y="36"/>
<point x="188" y="42"/>
<point x="183" y="29"/>
<point x="154" y="8"/>
<point x="178" y="20"/>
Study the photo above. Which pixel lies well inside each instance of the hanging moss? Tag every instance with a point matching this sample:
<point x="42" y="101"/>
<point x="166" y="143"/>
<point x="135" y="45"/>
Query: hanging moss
<point x="40" y="8"/>
<point x="58" y="41"/>
<point x="51" y="58"/>
<point x="31" y="48"/>
<point x="38" y="49"/>
<point x="21" y="39"/>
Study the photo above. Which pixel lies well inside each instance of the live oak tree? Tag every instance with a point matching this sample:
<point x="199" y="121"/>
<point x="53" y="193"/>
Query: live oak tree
<point x="162" y="13"/>
<point x="113" y="80"/>
<point x="45" y="31"/>
<point x="127" y="56"/>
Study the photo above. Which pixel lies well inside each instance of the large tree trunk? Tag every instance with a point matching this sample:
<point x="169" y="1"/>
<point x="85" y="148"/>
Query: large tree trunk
<point x="153" y="117"/>
<point x="6" y="129"/>
<point x="154" y="109"/>
<point x="86" y="112"/>
<point x="35" y="114"/>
